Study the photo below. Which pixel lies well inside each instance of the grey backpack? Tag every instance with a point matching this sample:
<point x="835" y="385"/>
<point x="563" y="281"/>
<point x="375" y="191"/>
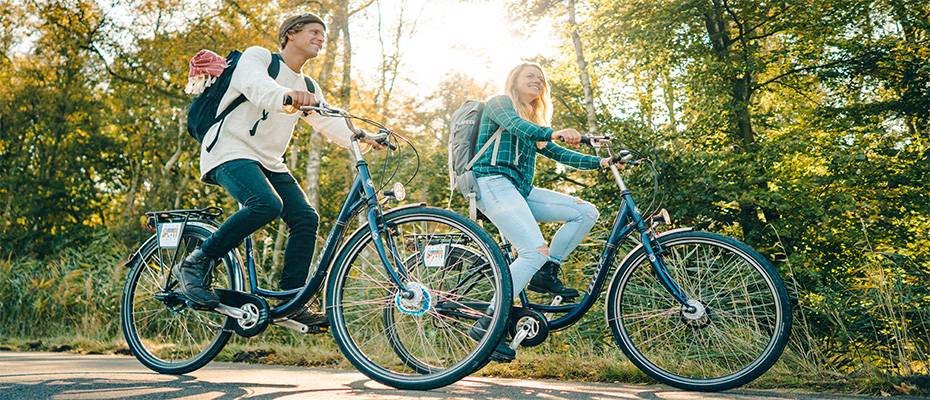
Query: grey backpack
<point x="463" y="137"/>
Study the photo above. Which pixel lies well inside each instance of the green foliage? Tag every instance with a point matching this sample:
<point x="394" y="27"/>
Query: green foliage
<point x="77" y="291"/>
<point x="801" y="127"/>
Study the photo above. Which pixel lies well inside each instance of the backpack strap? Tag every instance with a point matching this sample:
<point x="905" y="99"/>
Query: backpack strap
<point x="273" y="69"/>
<point x="311" y="85"/>
<point x="495" y="140"/>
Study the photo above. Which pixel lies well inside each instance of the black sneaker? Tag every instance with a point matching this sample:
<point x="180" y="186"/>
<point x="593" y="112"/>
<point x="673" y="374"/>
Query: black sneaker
<point x="502" y="353"/>
<point x="193" y="275"/>
<point x="547" y="281"/>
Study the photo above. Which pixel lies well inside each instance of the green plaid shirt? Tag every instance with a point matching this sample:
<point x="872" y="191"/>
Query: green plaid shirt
<point x="518" y="141"/>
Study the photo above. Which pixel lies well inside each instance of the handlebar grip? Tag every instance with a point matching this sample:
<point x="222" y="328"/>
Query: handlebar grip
<point x="386" y="141"/>
<point x="289" y="105"/>
<point x="589" y="139"/>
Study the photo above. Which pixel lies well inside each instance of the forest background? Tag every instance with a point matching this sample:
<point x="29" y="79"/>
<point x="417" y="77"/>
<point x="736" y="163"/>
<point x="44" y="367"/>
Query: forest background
<point x="800" y="126"/>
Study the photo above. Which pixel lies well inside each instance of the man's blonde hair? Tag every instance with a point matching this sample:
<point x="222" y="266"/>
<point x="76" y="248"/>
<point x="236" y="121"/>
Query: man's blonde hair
<point x="538" y="110"/>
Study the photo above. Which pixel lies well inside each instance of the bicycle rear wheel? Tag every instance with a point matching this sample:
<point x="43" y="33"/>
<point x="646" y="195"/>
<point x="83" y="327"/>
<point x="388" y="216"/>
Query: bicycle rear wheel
<point x="162" y="332"/>
<point x="420" y="343"/>
<point x="737" y="330"/>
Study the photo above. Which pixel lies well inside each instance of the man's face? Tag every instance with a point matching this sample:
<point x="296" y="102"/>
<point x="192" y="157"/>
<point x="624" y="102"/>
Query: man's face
<point x="310" y="39"/>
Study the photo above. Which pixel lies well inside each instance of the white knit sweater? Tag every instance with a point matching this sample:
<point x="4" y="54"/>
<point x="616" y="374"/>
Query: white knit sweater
<point x="265" y="98"/>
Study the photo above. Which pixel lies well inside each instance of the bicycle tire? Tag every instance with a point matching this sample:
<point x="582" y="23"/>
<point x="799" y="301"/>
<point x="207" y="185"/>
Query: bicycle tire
<point x="643" y="318"/>
<point x="145" y="349"/>
<point x="378" y="362"/>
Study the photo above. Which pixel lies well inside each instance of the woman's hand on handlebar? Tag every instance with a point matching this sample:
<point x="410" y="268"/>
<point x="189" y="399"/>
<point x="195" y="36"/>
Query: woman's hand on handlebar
<point x="605" y="163"/>
<point x="568" y="135"/>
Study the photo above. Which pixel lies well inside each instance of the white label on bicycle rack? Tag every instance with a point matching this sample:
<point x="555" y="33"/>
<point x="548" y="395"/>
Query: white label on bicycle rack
<point x="434" y="255"/>
<point x="169" y="234"/>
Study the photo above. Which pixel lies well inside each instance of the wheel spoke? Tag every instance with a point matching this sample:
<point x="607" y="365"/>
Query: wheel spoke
<point x="415" y="341"/>
<point x="169" y="335"/>
<point x="733" y="329"/>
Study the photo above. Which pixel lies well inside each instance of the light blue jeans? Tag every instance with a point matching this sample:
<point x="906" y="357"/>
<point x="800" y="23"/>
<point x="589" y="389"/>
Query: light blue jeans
<point x="517" y="218"/>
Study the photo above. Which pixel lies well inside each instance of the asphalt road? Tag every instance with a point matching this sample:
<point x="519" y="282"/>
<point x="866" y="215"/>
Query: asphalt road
<point x="70" y="376"/>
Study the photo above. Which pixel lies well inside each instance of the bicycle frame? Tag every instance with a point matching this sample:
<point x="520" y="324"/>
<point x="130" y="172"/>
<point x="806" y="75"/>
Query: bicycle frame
<point x="362" y="194"/>
<point x="627" y="221"/>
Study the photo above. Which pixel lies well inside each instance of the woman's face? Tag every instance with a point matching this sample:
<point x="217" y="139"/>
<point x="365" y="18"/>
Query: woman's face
<point x="530" y="82"/>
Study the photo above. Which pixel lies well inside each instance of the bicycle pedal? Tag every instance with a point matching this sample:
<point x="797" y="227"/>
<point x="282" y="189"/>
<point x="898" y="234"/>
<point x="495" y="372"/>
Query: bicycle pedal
<point x="198" y="307"/>
<point x="317" y="329"/>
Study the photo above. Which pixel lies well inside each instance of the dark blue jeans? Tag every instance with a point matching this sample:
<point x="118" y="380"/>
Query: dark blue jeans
<point x="265" y="196"/>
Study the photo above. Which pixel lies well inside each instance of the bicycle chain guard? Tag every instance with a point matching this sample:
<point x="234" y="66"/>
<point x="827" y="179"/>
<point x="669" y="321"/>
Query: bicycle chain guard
<point x="533" y="323"/>
<point x="257" y="308"/>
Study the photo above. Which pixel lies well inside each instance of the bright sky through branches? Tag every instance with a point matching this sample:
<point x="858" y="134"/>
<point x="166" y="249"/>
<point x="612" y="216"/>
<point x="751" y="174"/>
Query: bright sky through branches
<point x="476" y="38"/>
<point x="472" y="37"/>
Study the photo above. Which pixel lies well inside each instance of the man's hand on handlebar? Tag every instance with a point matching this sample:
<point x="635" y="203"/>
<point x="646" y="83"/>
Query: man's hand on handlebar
<point x="378" y="141"/>
<point x="300" y="98"/>
<point x="377" y="145"/>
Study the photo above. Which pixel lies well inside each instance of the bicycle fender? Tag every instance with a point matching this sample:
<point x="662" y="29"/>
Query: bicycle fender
<point x="211" y="225"/>
<point x="405" y="206"/>
<point x="633" y="250"/>
<point x="136" y="254"/>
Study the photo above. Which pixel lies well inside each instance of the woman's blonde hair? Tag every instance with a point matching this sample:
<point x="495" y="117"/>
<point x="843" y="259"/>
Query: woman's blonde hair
<point x="537" y="111"/>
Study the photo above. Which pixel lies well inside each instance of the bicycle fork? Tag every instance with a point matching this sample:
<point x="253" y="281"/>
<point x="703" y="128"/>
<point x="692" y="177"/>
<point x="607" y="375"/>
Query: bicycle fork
<point x="397" y="273"/>
<point x="633" y="217"/>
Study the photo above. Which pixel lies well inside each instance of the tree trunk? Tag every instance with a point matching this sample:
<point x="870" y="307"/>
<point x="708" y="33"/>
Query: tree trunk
<point x="281" y="233"/>
<point x="739" y="113"/>
<point x="583" y="68"/>
<point x="181" y="190"/>
<point x="130" y="208"/>
<point x="345" y="92"/>
<point x="668" y="91"/>
<point x="644" y="95"/>
<point x="312" y="180"/>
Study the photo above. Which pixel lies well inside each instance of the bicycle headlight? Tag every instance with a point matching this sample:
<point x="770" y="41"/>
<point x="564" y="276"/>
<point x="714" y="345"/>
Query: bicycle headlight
<point x="400" y="193"/>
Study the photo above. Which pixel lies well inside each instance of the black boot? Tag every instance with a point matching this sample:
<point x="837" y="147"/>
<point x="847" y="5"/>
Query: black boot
<point x="547" y="280"/>
<point x="194" y="277"/>
<point x="502" y="353"/>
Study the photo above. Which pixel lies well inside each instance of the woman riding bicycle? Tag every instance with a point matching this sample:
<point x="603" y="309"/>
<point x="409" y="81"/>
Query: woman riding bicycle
<point x="506" y="194"/>
<point x="248" y="160"/>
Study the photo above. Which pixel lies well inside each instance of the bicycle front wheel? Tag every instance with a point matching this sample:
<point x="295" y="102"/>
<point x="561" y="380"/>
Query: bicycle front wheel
<point x="162" y="332"/>
<point x="738" y="326"/>
<point x="423" y="342"/>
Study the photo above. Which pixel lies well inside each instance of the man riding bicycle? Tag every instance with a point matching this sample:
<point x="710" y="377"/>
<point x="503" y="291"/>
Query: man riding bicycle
<point x="247" y="159"/>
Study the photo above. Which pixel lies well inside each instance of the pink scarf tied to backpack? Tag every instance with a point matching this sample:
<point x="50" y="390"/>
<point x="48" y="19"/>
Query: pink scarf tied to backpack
<point x="205" y="67"/>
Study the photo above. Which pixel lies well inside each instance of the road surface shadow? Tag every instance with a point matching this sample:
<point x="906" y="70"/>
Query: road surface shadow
<point x="173" y="387"/>
<point x="123" y="385"/>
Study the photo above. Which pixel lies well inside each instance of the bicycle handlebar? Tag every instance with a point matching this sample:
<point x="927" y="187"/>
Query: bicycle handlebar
<point x="592" y="140"/>
<point x="382" y="137"/>
<point x="622" y="156"/>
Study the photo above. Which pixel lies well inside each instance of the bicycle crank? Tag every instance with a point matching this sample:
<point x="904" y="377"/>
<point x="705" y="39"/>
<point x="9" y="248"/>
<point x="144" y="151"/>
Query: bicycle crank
<point x="528" y="328"/>
<point x="249" y="314"/>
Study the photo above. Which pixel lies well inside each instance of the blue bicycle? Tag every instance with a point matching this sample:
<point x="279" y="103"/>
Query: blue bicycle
<point x="695" y="310"/>
<point x="401" y="292"/>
